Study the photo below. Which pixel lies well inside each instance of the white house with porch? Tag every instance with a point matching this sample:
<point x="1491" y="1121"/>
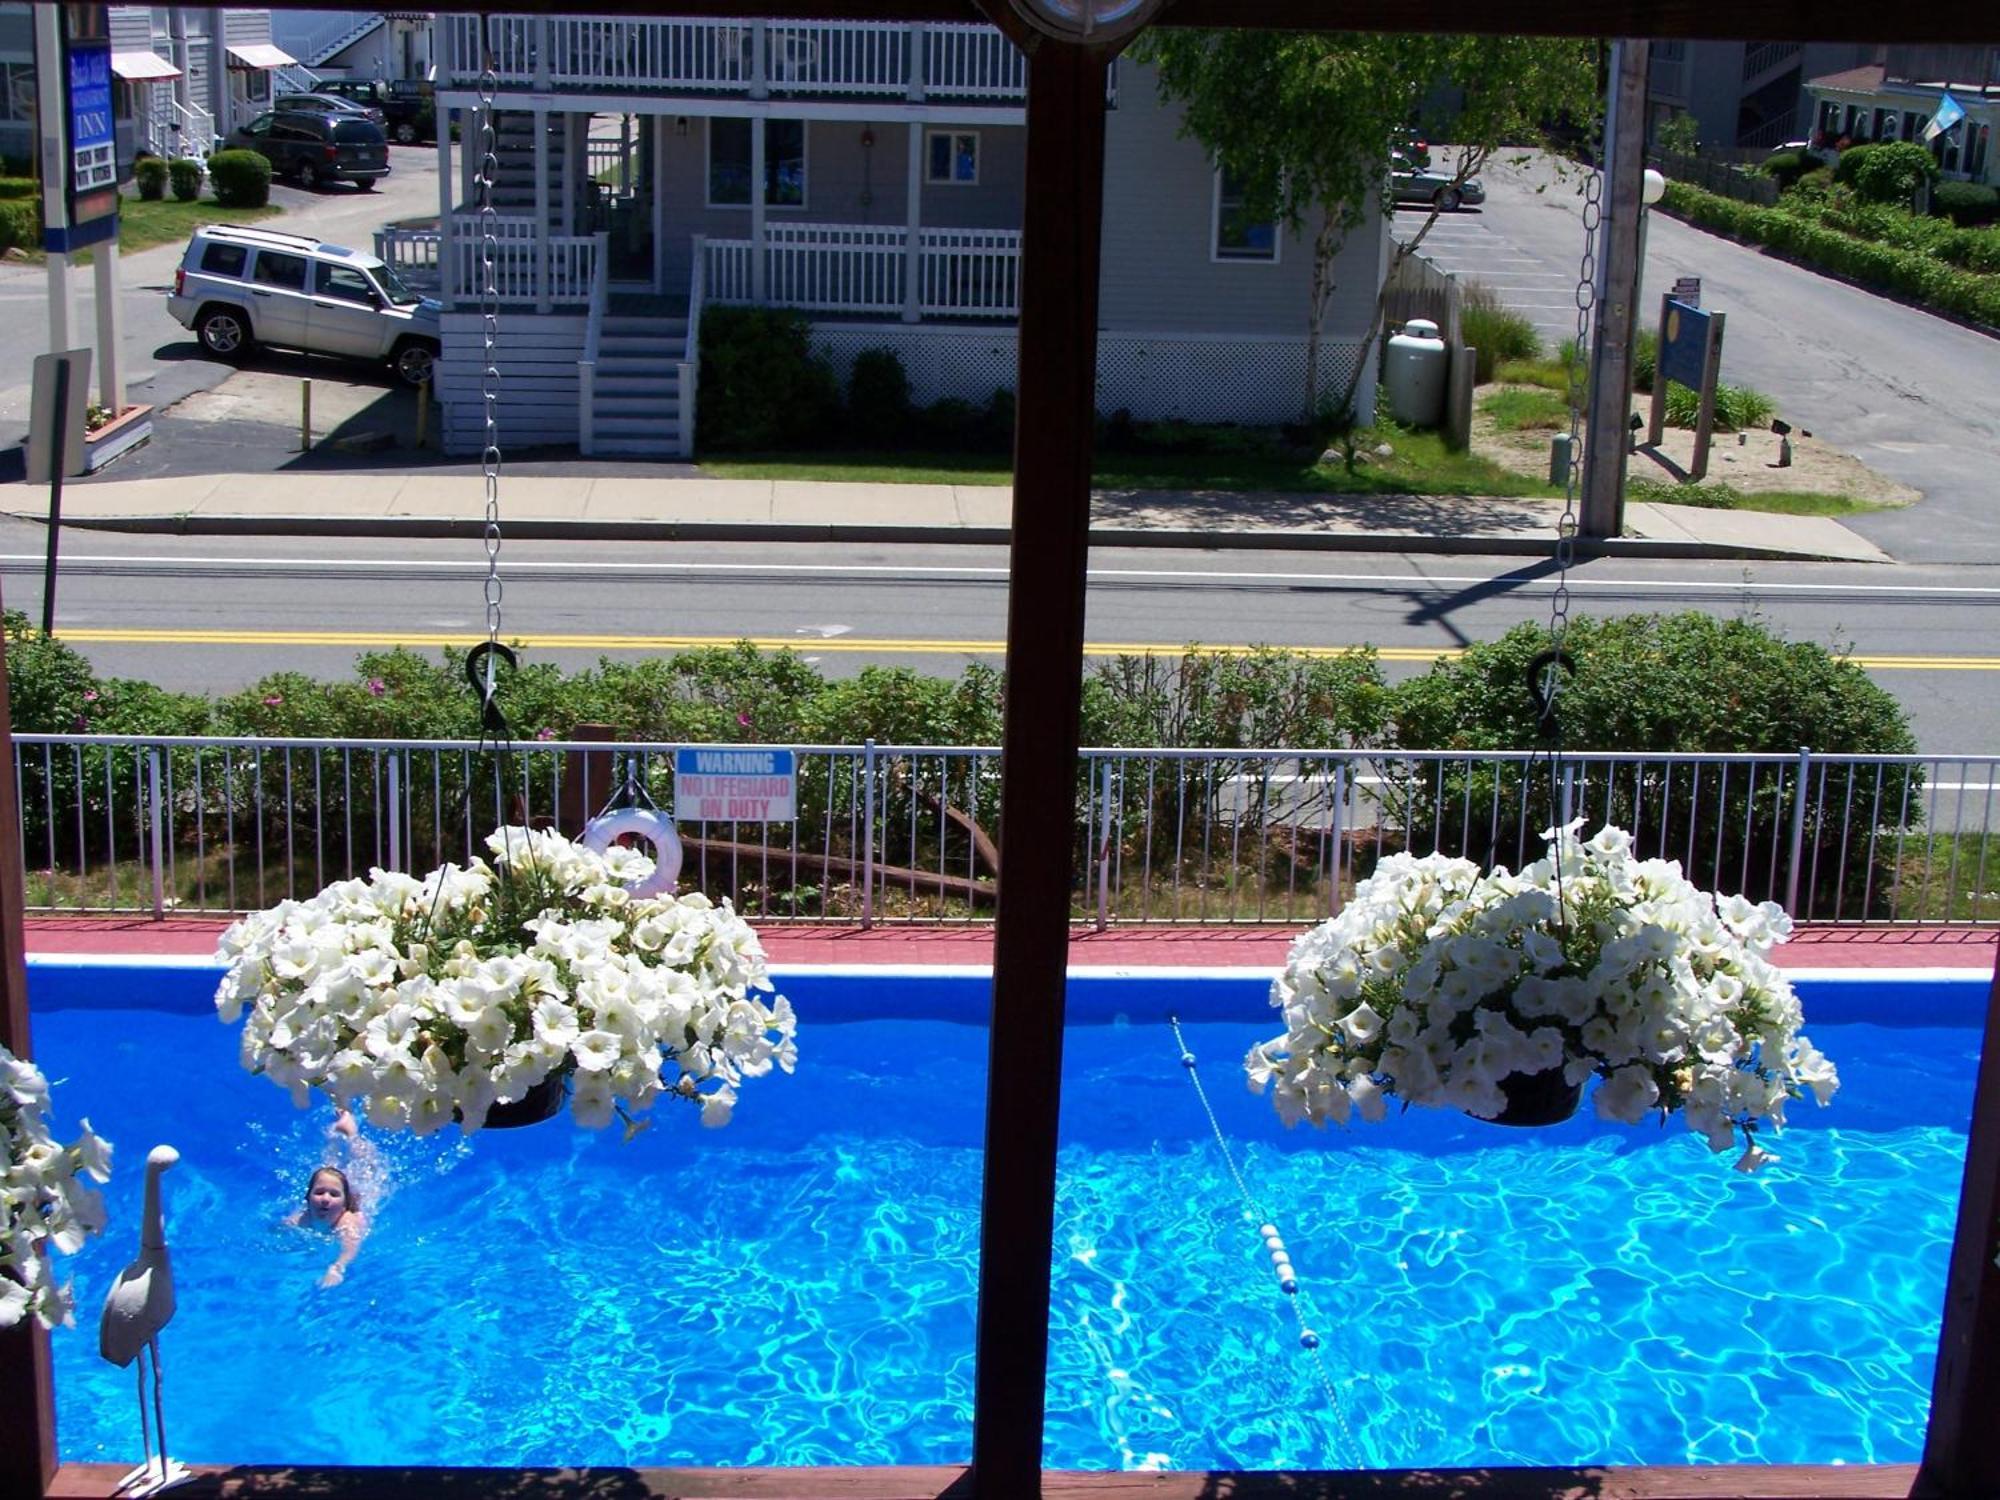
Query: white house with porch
<point x="869" y="174"/>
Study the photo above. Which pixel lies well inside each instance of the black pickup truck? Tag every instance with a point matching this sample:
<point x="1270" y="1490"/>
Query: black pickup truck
<point x="409" y="112"/>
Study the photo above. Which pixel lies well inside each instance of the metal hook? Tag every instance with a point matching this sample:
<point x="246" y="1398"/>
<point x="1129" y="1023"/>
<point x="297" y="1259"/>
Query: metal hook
<point x="479" y="672"/>
<point x="1542" y="688"/>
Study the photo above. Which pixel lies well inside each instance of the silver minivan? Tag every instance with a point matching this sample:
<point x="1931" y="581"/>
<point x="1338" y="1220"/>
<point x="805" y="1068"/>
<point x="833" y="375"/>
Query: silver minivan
<point x="240" y="287"/>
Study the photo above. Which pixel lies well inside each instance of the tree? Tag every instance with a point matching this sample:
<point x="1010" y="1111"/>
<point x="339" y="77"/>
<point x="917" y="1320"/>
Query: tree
<point x="1303" y="123"/>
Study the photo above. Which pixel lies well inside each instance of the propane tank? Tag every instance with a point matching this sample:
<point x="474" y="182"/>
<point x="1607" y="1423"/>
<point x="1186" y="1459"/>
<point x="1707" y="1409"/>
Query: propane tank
<point x="1415" y="374"/>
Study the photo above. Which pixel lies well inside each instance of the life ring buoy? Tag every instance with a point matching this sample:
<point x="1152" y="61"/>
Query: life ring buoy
<point x="649" y="824"/>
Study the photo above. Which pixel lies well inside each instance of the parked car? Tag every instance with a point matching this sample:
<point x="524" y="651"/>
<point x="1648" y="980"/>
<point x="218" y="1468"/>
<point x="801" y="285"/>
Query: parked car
<point x="239" y="286"/>
<point x="1415" y="184"/>
<point x="312" y="149"/>
<point x="326" y="103"/>
<point x="404" y="109"/>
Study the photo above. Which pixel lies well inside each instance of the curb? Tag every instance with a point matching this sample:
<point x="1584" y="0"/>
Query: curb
<point x="822" y="533"/>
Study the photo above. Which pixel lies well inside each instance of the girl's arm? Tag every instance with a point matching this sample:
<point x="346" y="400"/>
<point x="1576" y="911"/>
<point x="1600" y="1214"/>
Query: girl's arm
<point x="351" y="1231"/>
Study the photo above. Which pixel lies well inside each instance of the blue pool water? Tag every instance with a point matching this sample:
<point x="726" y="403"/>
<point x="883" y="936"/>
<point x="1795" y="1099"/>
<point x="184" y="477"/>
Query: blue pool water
<point x="798" y="1288"/>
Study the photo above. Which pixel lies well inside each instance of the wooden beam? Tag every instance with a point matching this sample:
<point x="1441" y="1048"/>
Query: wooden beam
<point x="27" y="1383"/>
<point x="1754" y="20"/>
<point x="1962" y="1443"/>
<point x="1053" y="437"/>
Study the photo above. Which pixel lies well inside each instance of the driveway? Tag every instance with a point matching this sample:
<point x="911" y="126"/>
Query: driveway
<point x="163" y="363"/>
<point x="1907" y="393"/>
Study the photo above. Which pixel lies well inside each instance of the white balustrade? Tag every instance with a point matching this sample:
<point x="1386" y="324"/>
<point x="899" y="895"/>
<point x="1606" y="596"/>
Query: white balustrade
<point x="969" y="272"/>
<point x="726" y="270"/>
<point x="834" y="267"/>
<point x="572" y="259"/>
<point x="414" y="252"/>
<point x="717" y="56"/>
<point x="972" y="62"/>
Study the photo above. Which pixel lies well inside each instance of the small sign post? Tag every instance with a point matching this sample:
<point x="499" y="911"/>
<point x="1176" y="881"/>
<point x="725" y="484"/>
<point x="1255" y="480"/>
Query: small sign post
<point x="1687" y="289"/>
<point x="753" y="785"/>
<point x="1691" y="353"/>
<point x="57" y="412"/>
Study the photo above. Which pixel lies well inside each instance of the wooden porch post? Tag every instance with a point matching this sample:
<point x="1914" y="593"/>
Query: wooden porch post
<point x="757" y="277"/>
<point x="543" y="301"/>
<point x="1962" y="1445"/>
<point x="1052" y="453"/>
<point x="446" y="250"/>
<point x="27" y="1382"/>
<point x="913" y="254"/>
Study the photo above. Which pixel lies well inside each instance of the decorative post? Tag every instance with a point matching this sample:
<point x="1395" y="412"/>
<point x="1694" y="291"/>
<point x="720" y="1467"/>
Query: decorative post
<point x="757" y="170"/>
<point x="447" y="254"/>
<point x="543" y="300"/>
<point x="913" y="229"/>
<point x="1604" y="443"/>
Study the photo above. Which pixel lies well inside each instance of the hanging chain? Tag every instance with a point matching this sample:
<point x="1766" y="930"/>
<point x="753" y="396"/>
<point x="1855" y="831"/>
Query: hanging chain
<point x="489" y="320"/>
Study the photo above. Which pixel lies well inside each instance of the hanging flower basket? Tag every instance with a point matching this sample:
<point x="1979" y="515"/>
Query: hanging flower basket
<point x="1502" y="994"/>
<point x="44" y="1203"/>
<point x="491" y="993"/>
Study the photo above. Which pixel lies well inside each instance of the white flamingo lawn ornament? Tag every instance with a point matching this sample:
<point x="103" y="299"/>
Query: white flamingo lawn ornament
<point x="139" y="1305"/>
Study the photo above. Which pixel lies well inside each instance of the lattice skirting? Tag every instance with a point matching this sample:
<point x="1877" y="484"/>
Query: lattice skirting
<point x="1199" y="378"/>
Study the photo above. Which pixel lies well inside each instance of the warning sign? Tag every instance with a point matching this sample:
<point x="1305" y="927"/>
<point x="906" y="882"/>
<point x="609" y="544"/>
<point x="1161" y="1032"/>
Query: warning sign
<point x="735" y="786"/>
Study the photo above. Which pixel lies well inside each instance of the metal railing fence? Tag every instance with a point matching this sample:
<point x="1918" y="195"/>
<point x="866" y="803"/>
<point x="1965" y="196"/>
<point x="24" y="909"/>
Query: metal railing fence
<point x="911" y="833"/>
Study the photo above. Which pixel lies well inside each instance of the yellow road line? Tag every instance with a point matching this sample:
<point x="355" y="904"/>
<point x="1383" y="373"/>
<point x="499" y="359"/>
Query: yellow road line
<point x="816" y="645"/>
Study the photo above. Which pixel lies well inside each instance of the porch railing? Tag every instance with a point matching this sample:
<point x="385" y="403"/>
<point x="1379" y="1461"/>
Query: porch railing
<point x="571" y="258"/>
<point x="907" y="833"/>
<point x="586" y="367"/>
<point x="413" y="252"/>
<point x="721" y="56"/>
<point x="862" y="268"/>
<point x="689" y="369"/>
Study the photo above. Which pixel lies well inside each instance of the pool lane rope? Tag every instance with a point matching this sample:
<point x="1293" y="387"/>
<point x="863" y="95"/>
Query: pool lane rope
<point x="1282" y="1269"/>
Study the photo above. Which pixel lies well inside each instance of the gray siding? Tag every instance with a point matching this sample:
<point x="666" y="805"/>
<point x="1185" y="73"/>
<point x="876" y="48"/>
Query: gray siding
<point x="241" y="26"/>
<point x="1159" y="273"/>
<point x="840" y="174"/>
<point x="131" y="28"/>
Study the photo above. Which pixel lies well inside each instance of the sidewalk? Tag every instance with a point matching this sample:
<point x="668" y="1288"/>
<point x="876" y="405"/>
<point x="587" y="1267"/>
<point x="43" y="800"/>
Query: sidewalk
<point x="626" y="507"/>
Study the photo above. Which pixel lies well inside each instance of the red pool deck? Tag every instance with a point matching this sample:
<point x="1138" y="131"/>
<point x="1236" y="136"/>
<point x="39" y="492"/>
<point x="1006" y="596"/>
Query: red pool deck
<point x="1148" y="947"/>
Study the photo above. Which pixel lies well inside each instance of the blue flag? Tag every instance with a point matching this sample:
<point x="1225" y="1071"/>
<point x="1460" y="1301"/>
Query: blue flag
<point x="1949" y="113"/>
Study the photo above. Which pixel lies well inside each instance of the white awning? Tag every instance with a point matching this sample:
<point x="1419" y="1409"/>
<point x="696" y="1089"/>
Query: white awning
<point x="140" y="67"/>
<point x="260" y="55"/>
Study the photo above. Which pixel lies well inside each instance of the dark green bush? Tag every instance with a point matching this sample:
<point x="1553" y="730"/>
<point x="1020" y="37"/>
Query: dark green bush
<point x="1967" y="204"/>
<point x="242" y="179"/>
<point x="149" y="175"/>
<point x="1497" y="333"/>
<point x="762" y="387"/>
<point x="878" y="400"/>
<point x="1663" y="684"/>
<point x="1787" y="167"/>
<point x="185" y="173"/>
<point x="1922" y="277"/>
<point x="1851" y="162"/>
<point x="20" y="224"/>
<point x="1890" y="172"/>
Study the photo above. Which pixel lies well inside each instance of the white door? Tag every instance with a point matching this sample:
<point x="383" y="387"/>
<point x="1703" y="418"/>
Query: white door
<point x="280" y="297"/>
<point x="344" y="318"/>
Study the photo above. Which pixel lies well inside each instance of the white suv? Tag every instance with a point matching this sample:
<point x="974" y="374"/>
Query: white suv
<point x="238" y="287"/>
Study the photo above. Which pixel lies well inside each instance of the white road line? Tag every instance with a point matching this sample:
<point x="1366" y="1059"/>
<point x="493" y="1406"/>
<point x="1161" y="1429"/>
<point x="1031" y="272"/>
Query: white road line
<point x="1385" y="580"/>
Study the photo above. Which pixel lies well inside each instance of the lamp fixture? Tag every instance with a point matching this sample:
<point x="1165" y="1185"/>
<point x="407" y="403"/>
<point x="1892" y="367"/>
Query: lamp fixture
<point x="681" y="125"/>
<point x="867" y="137"/>
<point x="1086" y="20"/>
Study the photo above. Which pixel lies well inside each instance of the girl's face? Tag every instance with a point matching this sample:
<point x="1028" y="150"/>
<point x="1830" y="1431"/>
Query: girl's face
<point x="326" y="1197"/>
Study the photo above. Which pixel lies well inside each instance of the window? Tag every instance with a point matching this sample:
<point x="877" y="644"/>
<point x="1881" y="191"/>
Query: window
<point x="1238" y="236"/>
<point x="1975" y="156"/>
<point x="276" y="268"/>
<point x="259" y="126"/>
<point x="17" y="100"/>
<point x="344" y="283"/>
<point x="224" y="260"/>
<point x="356" y="132"/>
<point x="952" y="156"/>
<point x="784" y="163"/>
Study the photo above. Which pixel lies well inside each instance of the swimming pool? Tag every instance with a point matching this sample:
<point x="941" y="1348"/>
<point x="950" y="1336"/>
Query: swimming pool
<point x="798" y="1288"/>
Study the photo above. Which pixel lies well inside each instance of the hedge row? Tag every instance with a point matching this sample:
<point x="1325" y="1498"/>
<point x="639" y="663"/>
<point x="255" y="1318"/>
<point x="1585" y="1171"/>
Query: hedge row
<point x="1922" y="278"/>
<point x="1975" y="250"/>
<point x="1644" y="682"/>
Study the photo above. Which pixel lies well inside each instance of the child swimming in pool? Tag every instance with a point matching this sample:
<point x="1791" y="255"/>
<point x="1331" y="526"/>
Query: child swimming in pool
<point x="333" y="1205"/>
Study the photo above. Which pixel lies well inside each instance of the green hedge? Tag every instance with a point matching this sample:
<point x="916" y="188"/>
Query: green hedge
<point x="1921" y="277"/>
<point x="242" y="179"/>
<point x="762" y="387"/>
<point x="20" y="224"/>
<point x="185" y="173"/>
<point x="1967" y="204"/>
<point x="149" y="175"/>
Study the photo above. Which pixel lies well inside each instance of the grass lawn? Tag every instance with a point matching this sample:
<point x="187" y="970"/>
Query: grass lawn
<point x="1420" y="465"/>
<point x="1526" y="410"/>
<point x="143" y="224"/>
<point x="1722" y="497"/>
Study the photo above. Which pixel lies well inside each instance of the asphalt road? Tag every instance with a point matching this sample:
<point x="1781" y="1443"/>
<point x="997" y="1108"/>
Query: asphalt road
<point x="1908" y="393"/>
<point x="163" y="363"/>
<point x="215" y="614"/>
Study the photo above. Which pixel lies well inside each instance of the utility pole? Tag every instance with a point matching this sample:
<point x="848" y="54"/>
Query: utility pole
<point x="1617" y="291"/>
